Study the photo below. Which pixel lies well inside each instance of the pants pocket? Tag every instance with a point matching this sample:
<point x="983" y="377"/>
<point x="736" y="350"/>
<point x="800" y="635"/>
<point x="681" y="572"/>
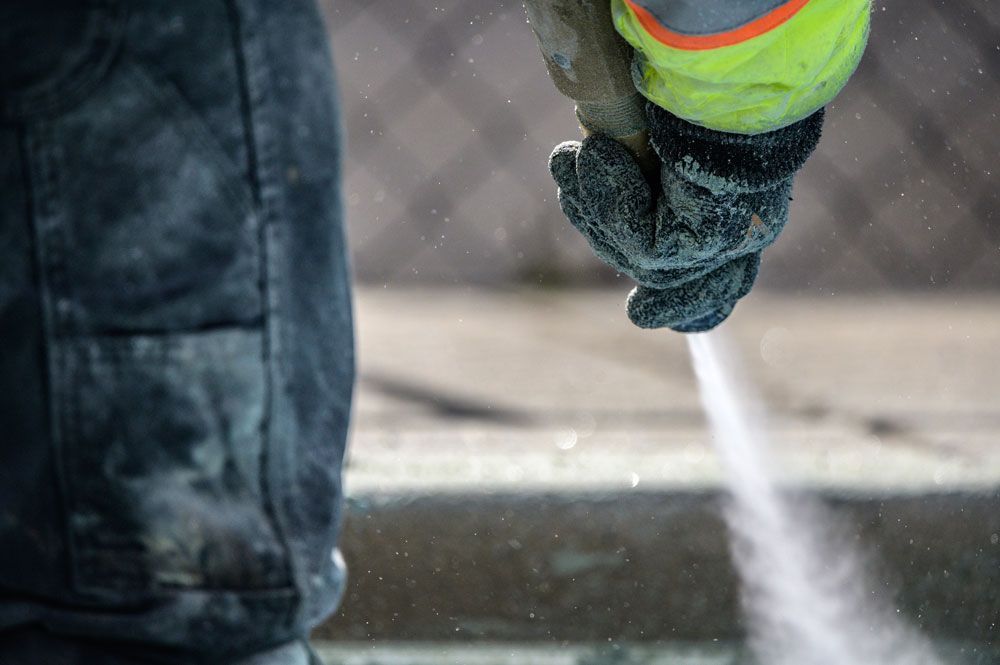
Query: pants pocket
<point x="163" y="452"/>
<point x="146" y="224"/>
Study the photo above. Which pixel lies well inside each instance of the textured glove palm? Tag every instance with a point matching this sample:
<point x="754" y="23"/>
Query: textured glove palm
<point x="693" y="246"/>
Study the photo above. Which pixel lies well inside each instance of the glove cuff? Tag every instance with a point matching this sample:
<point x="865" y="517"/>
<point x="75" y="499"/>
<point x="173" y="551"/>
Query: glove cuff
<point x="722" y="161"/>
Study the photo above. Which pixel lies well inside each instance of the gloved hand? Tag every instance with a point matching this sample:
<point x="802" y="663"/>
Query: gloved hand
<point x="693" y="246"/>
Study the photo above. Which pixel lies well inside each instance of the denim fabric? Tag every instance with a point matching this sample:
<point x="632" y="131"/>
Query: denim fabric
<point x="176" y="352"/>
<point x="35" y="646"/>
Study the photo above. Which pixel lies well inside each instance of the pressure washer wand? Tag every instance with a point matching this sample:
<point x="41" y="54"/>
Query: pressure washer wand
<point x="590" y="63"/>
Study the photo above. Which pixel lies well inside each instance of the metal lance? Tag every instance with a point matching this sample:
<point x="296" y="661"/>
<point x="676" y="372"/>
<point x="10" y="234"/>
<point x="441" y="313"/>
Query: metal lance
<point x="590" y="63"/>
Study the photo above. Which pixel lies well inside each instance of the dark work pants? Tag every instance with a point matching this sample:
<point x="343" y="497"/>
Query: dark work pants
<point x="176" y="354"/>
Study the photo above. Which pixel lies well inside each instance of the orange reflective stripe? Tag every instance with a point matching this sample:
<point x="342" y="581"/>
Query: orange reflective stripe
<point x="754" y="28"/>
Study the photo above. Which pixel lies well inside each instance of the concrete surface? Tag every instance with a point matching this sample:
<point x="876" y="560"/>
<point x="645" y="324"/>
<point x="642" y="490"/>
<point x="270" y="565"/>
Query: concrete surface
<point x="512" y="391"/>
<point x="522" y="654"/>
<point x="530" y="466"/>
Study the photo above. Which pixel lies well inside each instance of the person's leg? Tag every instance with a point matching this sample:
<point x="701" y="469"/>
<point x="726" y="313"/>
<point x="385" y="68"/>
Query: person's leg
<point x="177" y="362"/>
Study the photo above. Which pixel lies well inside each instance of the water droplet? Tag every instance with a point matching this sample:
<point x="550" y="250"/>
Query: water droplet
<point x="566" y="439"/>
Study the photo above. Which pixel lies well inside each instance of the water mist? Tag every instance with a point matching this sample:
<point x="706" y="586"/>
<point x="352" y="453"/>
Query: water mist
<point x="806" y="594"/>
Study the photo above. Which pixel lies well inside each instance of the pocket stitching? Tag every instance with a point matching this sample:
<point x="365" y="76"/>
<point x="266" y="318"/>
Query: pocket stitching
<point x="195" y="132"/>
<point x="50" y="97"/>
<point x="233" y="188"/>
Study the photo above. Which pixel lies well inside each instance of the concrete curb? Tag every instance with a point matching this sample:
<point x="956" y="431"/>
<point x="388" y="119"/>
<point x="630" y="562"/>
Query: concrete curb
<point x="636" y="566"/>
<point x="578" y="654"/>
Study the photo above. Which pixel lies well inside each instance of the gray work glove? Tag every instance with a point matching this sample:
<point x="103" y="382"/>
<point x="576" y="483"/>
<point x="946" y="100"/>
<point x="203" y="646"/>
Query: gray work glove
<point x="693" y="246"/>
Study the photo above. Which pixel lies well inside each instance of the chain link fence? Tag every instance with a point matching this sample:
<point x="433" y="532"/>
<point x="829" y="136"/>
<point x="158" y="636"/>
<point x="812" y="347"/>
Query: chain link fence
<point x="451" y="117"/>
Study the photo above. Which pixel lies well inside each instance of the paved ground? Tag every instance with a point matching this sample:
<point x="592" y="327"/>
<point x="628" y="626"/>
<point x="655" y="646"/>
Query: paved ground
<point x="522" y="654"/>
<point x="467" y="389"/>
<point x="529" y="466"/>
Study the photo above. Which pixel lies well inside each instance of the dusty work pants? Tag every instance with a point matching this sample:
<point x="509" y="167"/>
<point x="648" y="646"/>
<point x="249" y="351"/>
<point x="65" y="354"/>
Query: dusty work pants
<point x="176" y="354"/>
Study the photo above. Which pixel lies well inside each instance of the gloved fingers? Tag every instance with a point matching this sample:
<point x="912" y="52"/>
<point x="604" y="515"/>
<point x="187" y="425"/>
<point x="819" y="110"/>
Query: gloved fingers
<point x="616" y="185"/>
<point x="667" y="278"/>
<point x="655" y="278"/>
<point x="562" y="166"/>
<point x="707" y="322"/>
<point x="694" y="227"/>
<point x="704" y="225"/>
<point x="615" y="193"/>
<point x="696" y="305"/>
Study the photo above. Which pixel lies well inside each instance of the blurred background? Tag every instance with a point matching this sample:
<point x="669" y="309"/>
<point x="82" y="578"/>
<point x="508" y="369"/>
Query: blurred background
<point x="527" y="469"/>
<point x="451" y="117"/>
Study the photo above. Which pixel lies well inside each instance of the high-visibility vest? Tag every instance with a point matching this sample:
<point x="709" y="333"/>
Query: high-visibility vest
<point x="744" y="66"/>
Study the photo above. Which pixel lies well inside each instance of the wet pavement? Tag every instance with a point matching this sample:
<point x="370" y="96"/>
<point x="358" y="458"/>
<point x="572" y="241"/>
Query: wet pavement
<point x="522" y="654"/>
<point x="529" y="466"/>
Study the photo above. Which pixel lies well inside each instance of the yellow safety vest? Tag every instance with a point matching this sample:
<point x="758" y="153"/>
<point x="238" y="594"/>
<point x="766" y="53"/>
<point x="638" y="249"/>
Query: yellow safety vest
<point x="744" y="66"/>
